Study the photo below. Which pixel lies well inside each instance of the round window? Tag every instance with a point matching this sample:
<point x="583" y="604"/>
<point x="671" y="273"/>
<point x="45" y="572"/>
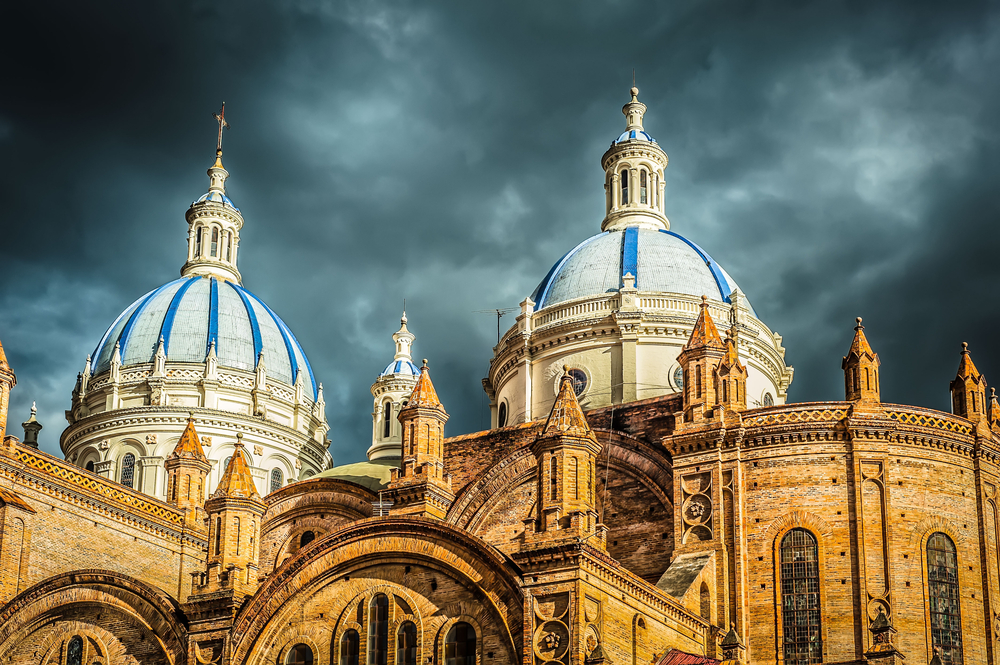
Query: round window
<point x="579" y="378"/>
<point x="679" y="377"/>
<point x="502" y="415"/>
<point x="768" y="399"/>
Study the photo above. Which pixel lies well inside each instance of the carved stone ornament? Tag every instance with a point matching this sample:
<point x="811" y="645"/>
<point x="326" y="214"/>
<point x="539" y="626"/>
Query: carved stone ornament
<point x="104" y="445"/>
<point x="150" y="439"/>
<point x="298" y="464"/>
<point x="206" y="442"/>
<point x="258" y="450"/>
<point x="552" y="641"/>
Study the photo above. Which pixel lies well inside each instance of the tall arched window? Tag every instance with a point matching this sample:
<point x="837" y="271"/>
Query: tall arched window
<point x="943" y="596"/>
<point x="406" y="644"/>
<point x="460" y="645"/>
<point x="197" y="242"/>
<point x="74" y="651"/>
<point x="574" y="473"/>
<point x="236" y="529"/>
<point x="386" y="419"/>
<point x="642" y="186"/>
<point x="697" y="381"/>
<point x="128" y="470"/>
<point x="306" y="538"/>
<point x="350" y="648"/>
<point x="378" y="630"/>
<point x="215" y="242"/>
<point x="300" y="654"/>
<point x="554" y="477"/>
<point x="624" y="179"/>
<point x="800" y="615"/>
<point x="705" y="602"/>
<point x="277" y="479"/>
<point x="218" y="535"/>
<point x="502" y="415"/>
<point x="227" y="242"/>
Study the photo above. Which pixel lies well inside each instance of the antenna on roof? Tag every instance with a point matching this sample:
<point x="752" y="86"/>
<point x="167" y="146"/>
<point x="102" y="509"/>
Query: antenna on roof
<point x="499" y="313"/>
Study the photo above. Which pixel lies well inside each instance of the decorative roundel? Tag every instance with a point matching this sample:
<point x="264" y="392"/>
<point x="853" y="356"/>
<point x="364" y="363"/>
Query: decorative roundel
<point x="768" y="399"/>
<point x="579" y="378"/>
<point x="679" y="377"/>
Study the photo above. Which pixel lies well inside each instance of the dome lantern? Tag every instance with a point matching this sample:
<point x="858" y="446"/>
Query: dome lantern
<point x="633" y="181"/>
<point x="390" y="391"/>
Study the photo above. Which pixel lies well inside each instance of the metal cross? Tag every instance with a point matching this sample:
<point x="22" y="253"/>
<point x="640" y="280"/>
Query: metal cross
<point x="220" y="117"/>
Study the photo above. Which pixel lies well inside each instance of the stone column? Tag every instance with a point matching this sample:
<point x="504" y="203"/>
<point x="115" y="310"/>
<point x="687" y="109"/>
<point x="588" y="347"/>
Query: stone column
<point x="150" y="475"/>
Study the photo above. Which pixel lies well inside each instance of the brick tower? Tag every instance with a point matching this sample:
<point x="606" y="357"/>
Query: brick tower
<point x="968" y="390"/>
<point x="860" y="365"/>
<point x="234" y="514"/>
<point x="566" y="453"/>
<point x="731" y="377"/>
<point x="187" y="468"/>
<point x="7" y="383"/>
<point x="699" y="359"/>
<point x="420" y="486"/>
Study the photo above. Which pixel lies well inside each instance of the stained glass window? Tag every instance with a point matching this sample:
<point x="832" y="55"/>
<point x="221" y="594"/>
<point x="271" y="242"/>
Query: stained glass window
<point x="128" y="470"/>
<point x="800" y="613"/>
<point x="276" y="480"/>
<point x="943" y="594"/>
<point x="74" y="652"/>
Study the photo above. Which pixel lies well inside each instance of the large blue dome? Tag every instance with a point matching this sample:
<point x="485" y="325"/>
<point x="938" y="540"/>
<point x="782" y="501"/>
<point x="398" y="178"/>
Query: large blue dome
<point x="190" y="313"/>
<point x="660" y="261"/>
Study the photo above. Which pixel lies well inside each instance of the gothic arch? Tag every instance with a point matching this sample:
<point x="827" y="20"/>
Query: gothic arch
<point x="69" y="600"/>
<point x="491" y="583"/>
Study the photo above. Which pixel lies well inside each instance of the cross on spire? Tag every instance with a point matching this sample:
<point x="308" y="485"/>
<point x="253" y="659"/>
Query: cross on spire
<point x="220" y="117"/>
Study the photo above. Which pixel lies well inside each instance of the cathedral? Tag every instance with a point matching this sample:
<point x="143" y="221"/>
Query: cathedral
<point x="645" y="495"/>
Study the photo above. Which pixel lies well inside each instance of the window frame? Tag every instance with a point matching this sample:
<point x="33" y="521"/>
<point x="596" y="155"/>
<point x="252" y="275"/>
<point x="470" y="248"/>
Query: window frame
<point x="925" y="541"/>
<point x="134" y="480"/>
<point x="271" y="479"/>
<point x="775" y="596"/>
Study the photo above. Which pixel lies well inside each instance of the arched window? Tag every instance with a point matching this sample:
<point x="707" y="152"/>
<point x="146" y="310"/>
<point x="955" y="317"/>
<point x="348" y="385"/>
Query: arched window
<point x="350" y="647"/>
<point x="800" y="615"/>
<point x="197" y="242"/>
<point x="406" y="644"/>
<point x="460" y="645"/>
<point x="642" y="186"/>
<point x="277" y="479"/>
<point x="218" y="535"/>
<point x="768" y="399"/>
<point x="300" y="654"/>
<point x="706" y="602"/>
<point x="697" y="382"/>
<point x="215" y="242"/>
<point x="74" y="651"/>
<point x="306" y="538"/>
<point x="90" y="466"/>
<point x="386" y="419"/>
<point x="943" y="596"/>
<point x="378" y="630"/>
<point x="624" y="179"/>
<point x="128" y="470"/>
<point x="502" y="415"/>
<point x="554" y="477"/>
<point x="227" y="241"/>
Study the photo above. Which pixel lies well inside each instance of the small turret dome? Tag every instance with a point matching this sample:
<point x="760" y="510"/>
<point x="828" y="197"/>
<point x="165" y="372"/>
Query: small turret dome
<point x="217" y="197"/>
<point x="634" y="134"/>
<point x="400" y="367"/>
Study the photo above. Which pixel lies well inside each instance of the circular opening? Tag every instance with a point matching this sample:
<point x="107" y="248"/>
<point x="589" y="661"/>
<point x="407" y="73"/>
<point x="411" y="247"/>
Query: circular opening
<point x="679" y="377"/>
<point x="579" y="378"/>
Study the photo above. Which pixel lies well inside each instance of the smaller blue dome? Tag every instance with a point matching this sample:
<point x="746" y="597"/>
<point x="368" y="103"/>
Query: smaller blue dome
<point x="631" y="134"/>
<point x="404" y="367"/>
<point x="217" y="197"/>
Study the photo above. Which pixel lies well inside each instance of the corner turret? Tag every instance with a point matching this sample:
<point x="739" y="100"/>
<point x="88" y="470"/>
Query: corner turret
<point x="968" y="390"/>
<point x="861" y="370"/>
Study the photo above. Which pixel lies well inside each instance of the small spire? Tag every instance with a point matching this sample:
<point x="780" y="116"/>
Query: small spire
<point x="189" y="445"/>
<point x="634" y="110"/>
<point x="31" y="428"/>
<point x="237" y="481"/>
<point x="566" y="417"/>
<point x="966" y="368"/>
<point x="704" y="334"/>
<point x="423" y="394"/>
<point x="860" y="345"/>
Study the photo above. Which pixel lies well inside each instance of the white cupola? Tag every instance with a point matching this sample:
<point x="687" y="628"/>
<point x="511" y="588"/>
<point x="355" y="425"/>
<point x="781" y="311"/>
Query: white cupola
<point x="390" y="391"/>
<point x="633" y="181"/>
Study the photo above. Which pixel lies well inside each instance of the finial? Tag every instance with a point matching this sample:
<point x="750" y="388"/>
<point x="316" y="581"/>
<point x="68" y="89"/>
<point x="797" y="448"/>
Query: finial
<point x="190" y="416"/>
<point x="565" y="370"/>
<point x="858" y="326"/>
<point x="220" y="117"/>
<point x="965" y="347"/>
<point x="34" y="410"/>
<point x="425" y="362"/>
<point x="239" y="439"/>
<point x="704" y="301"/>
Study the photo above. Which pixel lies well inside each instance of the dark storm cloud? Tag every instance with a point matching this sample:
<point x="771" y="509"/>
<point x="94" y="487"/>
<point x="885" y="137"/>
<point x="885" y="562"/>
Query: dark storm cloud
<point x="840" y="159"/>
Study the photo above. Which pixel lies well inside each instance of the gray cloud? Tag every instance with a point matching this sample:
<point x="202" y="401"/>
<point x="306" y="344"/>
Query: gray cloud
<point x="838" y="158"/>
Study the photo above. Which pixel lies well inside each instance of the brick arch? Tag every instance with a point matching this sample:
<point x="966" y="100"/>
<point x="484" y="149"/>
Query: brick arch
<point x="792" y="520"/>
<point x="925" y="527"/>
<point x="107" y="650"/>
<point x="41" y="606"/>
<point x="492" y="581"/>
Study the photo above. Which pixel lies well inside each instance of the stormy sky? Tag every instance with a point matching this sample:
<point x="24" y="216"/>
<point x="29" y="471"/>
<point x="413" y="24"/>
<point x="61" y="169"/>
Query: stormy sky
<point x="840" y="159"/>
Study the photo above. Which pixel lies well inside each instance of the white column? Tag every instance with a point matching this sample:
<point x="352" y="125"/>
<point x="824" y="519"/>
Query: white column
<point x="616" y="192"/>
<point x="190" y="244"/>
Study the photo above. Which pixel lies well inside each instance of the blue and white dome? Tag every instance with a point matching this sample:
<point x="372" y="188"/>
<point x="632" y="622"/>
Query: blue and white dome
<point x="404" y="367"/>
<point x="661" y="261"/>
<point x="634" y="134"/>
<point x="189" y="314"/>
<point x="217" y="197"/>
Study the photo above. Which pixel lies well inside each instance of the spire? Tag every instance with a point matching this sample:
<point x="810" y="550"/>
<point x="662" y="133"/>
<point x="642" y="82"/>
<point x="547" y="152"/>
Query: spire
<point x="861" y="369"/>
<point x="392" y="387"/>
<point x="7" y="383"/>
<point x="732" y="647"/>
<point x="634" y="110"/>
<point x="189" y="445"/>
<point x="31" y="428"/>
<point x="566" y="417"/>
<point x="424" y="395"/>
<point x="237" y="481"/>
<point x="214" y="223"/>
<point x="968" y="390"/>
<point x="705" y="334"/>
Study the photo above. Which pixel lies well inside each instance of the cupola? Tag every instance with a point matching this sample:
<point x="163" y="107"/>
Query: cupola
<point x="633" y="181"/>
